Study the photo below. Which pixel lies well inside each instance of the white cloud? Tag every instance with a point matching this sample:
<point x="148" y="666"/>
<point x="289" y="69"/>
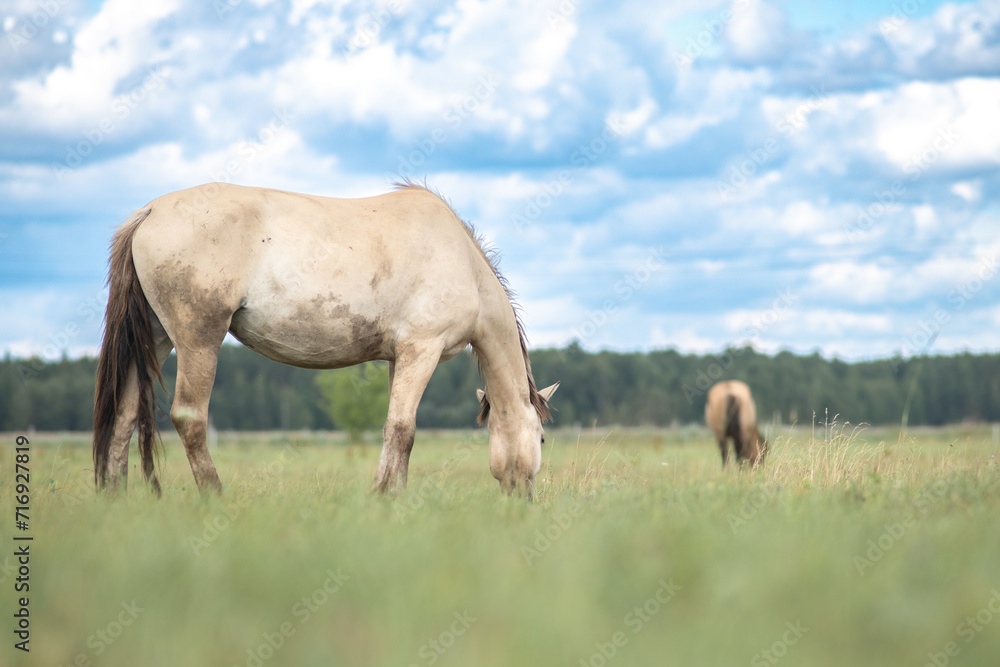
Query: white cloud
<point x="802" y="217"/>
<point x="848" y="281"/>
<point x="671" y="130"/>
<point x="113" y="44"/>
<point x="970" y="191"/>
<point x="758" y="30"/>
<point x="925" y="125"/>
<point x="956" y="35"/>
<point x="630" y="121"/>
<point x="925" y="219"/>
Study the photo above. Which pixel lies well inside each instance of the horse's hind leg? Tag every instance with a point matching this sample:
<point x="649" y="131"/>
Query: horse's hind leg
<point x="126" y="420"/>
<point x="195" y="377"/>
<point x="741" y="449"/>
<point x="724" y="449"/>
<point x="163" y="347"/>
<point x="409" y="374"/>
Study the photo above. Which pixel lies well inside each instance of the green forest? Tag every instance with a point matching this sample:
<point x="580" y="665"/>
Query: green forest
<point x="656" y="388"/>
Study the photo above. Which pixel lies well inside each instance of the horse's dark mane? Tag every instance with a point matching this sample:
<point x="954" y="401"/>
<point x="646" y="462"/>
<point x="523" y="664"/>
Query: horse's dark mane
<point x="492" y="257"/>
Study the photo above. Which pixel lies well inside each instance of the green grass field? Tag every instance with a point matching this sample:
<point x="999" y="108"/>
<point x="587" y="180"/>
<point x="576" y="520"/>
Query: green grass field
<point x="849" y="547"/>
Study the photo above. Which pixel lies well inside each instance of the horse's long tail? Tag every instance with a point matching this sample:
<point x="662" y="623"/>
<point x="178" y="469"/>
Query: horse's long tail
<point x="733" y="415"/>
<point x="128" y="348"/>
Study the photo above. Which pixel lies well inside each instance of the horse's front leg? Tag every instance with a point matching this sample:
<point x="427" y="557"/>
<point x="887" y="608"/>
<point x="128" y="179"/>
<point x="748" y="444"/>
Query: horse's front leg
<point x="408" y="377"/>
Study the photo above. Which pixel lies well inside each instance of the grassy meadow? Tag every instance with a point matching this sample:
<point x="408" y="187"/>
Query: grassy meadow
<point x="851" y="546"/>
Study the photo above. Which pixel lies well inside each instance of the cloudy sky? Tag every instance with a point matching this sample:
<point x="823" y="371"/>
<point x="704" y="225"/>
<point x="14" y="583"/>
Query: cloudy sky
<point x="804" y="175"/>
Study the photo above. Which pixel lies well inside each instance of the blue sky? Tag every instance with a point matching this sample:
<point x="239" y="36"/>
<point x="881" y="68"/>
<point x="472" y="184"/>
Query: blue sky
<point x="791" y="175"/>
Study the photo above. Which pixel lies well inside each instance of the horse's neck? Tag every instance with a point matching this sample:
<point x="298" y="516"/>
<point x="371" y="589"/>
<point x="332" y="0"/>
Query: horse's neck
<point x="501" y="359"/>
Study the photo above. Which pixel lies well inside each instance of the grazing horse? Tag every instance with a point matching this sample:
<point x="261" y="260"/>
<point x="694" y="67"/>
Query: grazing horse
<point x="314" y="282"/>
<point x="730" y="413"/>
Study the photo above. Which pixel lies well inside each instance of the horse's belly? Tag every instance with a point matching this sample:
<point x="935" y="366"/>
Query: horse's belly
<point x="310" y="341"/>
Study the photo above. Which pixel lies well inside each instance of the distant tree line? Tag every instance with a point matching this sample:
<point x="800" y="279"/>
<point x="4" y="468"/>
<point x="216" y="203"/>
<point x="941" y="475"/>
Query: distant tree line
<point x="607" y="388"/>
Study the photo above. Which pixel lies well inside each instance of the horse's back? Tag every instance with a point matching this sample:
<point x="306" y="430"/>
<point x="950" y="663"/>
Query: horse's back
<point x="309" y="280"/>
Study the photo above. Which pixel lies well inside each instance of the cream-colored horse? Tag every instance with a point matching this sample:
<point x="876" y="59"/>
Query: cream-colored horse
<point x="314" y="282"/>
<point x="730" y="413"/>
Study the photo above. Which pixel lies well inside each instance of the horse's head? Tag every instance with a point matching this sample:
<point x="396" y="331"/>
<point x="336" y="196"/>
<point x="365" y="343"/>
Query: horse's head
<point x="516" y="437"/>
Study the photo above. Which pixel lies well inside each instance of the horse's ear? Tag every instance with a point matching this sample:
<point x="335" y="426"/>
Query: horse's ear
<point x="546" y="393"/>
<point x="480" y="394"/>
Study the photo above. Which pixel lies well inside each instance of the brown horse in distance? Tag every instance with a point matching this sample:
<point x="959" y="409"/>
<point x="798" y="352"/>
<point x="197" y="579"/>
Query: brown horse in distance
<point x="730" y="413"/>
